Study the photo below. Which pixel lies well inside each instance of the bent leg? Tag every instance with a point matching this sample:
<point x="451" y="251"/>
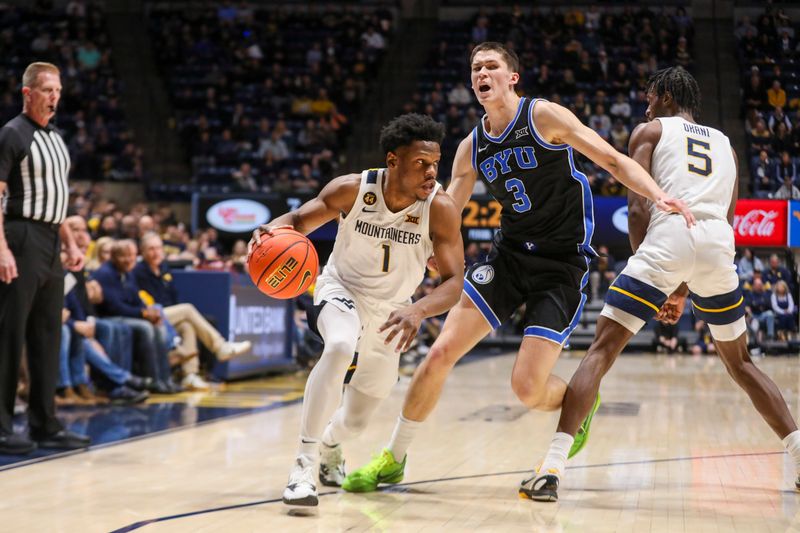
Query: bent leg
<point x="610" y="339"/>
<point x="765" y="395"/>
<point x="323" y="394"/>
<point x="351" y="418"/>
<point x="464" y="327"/>
<point x="531" y="379"/>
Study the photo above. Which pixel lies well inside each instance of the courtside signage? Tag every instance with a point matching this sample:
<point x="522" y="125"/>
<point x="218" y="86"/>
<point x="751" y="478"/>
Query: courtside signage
<point x="237" y="215"/>
<point x="760" y="223"/>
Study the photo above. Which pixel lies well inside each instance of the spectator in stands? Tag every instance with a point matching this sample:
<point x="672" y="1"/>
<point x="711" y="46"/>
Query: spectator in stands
<point x="153" y="277"/>
<point x="755" y="97"/>
<point x="459" y="95"/>
<point x="121" y="302"/>
<point x="783" y="307"/>
<point x="747" y="265"/>
<point x="758" y="305"/>
<point x="620" y="136"/>
<point x="704" y="343"/>
<point x="244" y="178"/>
<point x="776" y="96"/>
<point x="665" y="337"/>
<point x="100" y="253"/>
<point x="777" y="272"/>
<point x="601" y="272"/>
<point x="600" y="121"/>
<point x="275" y="147"/>
<point x="762" y="175"/>
<point x="781" y="141"/>
<point x="787" y="191"/>
<point x="777" y="117"/>
<point x="621" y="108"/>
<point x="761" y="136"/>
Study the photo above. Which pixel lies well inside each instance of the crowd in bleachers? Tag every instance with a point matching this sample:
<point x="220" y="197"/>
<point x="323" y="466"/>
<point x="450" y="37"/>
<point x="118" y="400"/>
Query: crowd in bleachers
<point x="90" y="115"/>
<point x="263" y="97"/>
<point x="768" y="56"/>
<point x="595" y="61"/>
<point x="125" y="333"/>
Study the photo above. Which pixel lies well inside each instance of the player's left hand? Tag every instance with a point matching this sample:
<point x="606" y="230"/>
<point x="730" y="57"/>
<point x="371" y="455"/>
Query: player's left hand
<point x="404" y="322"/>
<point x="675" y="205"/>
<point x="74" y="258"/>
<point x="672" y="309"/>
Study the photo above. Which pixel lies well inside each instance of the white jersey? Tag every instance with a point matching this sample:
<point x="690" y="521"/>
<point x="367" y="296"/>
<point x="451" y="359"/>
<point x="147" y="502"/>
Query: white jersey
<point x="378" y="254"/>
<point x="695" y="164"/>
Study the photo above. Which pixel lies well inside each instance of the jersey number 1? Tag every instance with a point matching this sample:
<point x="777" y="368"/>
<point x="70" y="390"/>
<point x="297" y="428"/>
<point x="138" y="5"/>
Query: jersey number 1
<point x="699" y="150"/>
<point x="386" y="249"/>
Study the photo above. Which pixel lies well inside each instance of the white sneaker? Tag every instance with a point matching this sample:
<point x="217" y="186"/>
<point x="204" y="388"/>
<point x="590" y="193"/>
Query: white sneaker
<point x="300" y="490"/>
<point x="331" y="465"/>
<point x="194" y="382"/>
<point x="229" y="350"/>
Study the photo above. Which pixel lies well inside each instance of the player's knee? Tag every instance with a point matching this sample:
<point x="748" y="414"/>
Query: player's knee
<point x="439" y="359"/>
<point x="356" y="424"/>
<point x="527" y="390"/>
<point x="339" y="349"/>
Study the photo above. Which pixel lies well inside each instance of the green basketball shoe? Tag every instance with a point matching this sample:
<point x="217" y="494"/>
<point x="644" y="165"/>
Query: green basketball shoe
<point x="583" y="432"/>
<point x="382" y="468"/>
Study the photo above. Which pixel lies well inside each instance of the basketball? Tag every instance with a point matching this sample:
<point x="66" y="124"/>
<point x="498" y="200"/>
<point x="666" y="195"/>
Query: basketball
<point x="284" y="265"/>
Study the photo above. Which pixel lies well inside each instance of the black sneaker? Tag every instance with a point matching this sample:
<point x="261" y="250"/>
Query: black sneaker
<point x="123" y="395"/>
<point x="540" y="488"/>
<point x="139" y="382"/>
<point x="63" y="440"/>
<point x="13" y="444"/>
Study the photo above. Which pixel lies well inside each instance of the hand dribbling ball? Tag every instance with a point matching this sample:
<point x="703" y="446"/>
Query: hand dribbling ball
<point x="284" y="264"/>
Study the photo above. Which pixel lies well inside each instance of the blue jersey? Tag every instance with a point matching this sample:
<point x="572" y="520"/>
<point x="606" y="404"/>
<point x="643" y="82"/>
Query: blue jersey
<point x="547" y="202"/>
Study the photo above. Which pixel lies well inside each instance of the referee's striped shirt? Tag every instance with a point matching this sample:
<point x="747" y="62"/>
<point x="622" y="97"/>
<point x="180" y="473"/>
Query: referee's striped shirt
<point x="34" y="163"/>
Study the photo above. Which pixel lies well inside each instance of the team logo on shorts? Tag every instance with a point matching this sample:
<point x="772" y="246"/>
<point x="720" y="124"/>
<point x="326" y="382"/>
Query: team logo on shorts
<point x="483" y="274"/>
<point x="370" y="198"/>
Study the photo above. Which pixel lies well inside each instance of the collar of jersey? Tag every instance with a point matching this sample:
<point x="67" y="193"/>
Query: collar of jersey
<point x="508" y="129"/>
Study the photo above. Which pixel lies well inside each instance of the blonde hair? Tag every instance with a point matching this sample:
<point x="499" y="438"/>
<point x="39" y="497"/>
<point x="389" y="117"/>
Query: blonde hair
<point x="94" y="252"/>
<point x="30" y="78"/>
<point x="783" y="284"/>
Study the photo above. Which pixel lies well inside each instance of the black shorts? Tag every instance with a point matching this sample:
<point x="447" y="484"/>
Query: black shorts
<point x="549" y="286"/>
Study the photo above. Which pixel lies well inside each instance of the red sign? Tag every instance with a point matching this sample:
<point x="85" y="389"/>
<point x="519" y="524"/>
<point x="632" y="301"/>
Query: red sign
<point x="760" y="223"/>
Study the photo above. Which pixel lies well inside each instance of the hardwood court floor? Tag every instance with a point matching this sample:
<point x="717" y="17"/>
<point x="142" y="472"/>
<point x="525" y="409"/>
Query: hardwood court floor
<point x="677" y="447"/>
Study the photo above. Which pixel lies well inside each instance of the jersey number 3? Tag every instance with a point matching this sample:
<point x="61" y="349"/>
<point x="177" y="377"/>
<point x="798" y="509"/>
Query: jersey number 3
<point x="517" y="188"/>
<point x="699" y="150"/>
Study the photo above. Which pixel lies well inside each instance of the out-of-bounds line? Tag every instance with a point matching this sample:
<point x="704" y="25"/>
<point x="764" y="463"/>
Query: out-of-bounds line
<point x="391" y="488"/>
<point x="95" y="447"/>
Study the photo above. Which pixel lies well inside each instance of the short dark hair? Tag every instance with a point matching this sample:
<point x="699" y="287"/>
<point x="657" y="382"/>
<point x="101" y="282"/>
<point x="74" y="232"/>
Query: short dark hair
<point x="405" y="129"/>
<point x="509" y="56"/>
<point x="680" y="84"/>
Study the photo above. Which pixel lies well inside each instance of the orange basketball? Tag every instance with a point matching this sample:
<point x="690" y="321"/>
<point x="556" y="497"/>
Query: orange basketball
<point x="284" y="265"/>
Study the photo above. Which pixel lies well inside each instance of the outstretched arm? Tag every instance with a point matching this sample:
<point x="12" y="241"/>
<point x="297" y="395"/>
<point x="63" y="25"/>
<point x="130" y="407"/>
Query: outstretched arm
<point x="560" y="126"/>
<point x="643" y="141"/>
<point x="464" y="175"/>
<point x="445" y="228"/>
<point x="336" y="197"/>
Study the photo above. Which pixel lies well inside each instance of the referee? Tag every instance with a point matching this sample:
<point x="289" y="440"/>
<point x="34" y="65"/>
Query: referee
<point x="34" y="164"/>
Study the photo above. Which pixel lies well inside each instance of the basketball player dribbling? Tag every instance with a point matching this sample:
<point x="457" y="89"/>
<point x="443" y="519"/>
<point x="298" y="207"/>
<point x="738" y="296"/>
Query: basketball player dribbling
<point x="523" y="150"/>
<point x="390" y="222"/>
<point x="697" y="164"/>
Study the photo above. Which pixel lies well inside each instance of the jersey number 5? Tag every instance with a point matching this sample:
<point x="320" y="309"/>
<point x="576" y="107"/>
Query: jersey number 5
<point x="699" y="150"/>
<point x="517" y="188"/>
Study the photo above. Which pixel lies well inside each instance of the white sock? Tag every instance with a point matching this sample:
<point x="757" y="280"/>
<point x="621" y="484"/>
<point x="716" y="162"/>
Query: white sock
<point x="792" y="443"/>
<point x="404" y="432"/>
<point x="556" y="457"/>
<point x="309" y="448"/>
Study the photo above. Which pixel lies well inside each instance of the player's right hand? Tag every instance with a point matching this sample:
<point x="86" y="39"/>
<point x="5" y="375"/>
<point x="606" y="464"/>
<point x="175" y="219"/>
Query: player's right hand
<point x="264" y="229"/>
<point x="8" y="266"/>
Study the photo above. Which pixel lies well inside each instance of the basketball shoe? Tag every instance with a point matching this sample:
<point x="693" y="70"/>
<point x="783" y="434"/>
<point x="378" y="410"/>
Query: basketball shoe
<point x="382" y="468"/>
<point x="300" y="490"/>
<point x="331" y="465"/>
<point x="542" y="488"/>
<point x="583" y="432"/>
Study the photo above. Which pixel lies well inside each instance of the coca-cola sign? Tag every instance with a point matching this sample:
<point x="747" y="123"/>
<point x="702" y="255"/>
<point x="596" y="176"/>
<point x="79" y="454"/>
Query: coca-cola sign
<point x="760" y="223"/>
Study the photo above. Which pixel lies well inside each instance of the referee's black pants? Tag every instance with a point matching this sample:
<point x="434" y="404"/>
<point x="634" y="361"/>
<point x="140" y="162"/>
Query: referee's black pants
<point x="30" y="315"/>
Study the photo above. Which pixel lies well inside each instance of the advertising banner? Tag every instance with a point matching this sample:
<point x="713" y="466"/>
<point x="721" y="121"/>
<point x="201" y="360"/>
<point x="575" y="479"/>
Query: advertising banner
<point x="760" y="223"/>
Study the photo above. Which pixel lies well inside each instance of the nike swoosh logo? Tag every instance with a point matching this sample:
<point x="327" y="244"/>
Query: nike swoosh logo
<point x="306" y="275"/>
<point x="483" y="149"/>
<point x="365" y="210"/>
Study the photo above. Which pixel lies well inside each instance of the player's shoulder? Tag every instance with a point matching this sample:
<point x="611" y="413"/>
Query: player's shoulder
<point x="647" y="132"/>
<point x="443" y="207"/>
